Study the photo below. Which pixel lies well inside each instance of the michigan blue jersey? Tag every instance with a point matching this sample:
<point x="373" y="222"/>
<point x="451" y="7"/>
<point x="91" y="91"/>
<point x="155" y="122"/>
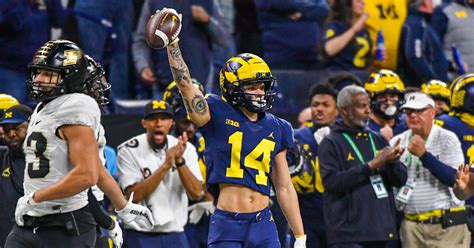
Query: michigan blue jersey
<point x="309" y="179"/>
<point x="309" y="185"/>
<point x="240" y="151"/>
<point x="400" y="125"/>
<point x="464" y="132"/>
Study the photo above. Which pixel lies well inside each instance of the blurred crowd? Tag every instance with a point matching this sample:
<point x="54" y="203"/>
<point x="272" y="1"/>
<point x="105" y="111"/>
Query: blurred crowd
<point x="418" y="39"/>
<point x="399" y="88"/>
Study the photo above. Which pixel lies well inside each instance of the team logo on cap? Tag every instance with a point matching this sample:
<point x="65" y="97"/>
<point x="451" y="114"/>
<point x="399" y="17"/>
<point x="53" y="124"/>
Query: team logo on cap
<point x="158" y="105"/>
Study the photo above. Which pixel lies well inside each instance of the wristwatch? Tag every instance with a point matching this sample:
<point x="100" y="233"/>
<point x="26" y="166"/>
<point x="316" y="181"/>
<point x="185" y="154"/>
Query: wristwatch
<point x="183" y="162"/>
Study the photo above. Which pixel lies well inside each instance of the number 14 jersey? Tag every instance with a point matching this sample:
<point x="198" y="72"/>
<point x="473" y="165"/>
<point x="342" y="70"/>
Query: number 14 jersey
<point x="240" y="151"/>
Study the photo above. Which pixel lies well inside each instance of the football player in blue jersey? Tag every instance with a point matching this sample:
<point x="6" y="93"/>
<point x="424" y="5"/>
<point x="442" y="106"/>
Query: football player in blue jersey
<point x="461" y="122"/>
<point x="245" y="151"/>
<point x="307" y="178"/>
<point x="440" y="93"/>
<point x="386" y="91"/>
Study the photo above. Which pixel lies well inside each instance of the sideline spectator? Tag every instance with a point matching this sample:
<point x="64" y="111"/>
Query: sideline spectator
<point x="347" y="43"/>
<point x="12" y="161"/>
<point x="432" y="214"/>
<point x="291" y="32"/>
<point x="453" y="22"/>
<point x="6" y="101"/>
<point x="162" y="171"/>
<point x="358" y="169"/>
<point x="421" y="52"/>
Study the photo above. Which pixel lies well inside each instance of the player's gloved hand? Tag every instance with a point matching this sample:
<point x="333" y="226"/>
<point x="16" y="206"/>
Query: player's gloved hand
<point x="321" y="133"/>
<point x="137" y="216"/>
<point x="175" y="37"/>
<point x="24" y="204"/>
<point x="300" y="242"/>
<point x="116" y="234"/>
<point x="198" y="209"/>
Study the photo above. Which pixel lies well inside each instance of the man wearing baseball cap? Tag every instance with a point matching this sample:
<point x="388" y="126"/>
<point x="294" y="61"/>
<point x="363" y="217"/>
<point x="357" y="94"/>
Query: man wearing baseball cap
<point x="14" y="122"/>
<point x="432" y="214"/>
<point x="163" y="171"/>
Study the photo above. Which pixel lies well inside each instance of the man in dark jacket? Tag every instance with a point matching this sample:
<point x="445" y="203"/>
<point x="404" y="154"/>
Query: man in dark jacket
<point x="12" y="163"/>
<point x="358" y="170"/>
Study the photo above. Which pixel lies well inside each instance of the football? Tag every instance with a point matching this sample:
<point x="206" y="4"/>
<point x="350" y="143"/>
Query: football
<point x="162" y="28"/>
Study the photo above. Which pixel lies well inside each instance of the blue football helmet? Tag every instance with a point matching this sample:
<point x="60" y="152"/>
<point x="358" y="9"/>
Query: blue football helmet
<point x="246" y="69"/>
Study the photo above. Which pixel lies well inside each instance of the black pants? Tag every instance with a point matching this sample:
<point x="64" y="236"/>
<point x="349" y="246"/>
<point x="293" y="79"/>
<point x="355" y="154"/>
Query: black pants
<point x="48" y="237"/>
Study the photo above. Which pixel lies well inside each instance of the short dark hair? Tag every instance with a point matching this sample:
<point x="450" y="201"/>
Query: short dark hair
<point x="320" y="89"/>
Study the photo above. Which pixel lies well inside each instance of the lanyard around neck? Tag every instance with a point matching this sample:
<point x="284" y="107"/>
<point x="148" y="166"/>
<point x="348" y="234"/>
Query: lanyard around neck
<point x="356" y="150"/>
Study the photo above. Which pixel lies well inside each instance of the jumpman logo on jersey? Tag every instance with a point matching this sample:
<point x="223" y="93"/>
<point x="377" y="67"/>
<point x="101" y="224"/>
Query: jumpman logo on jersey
<point x="271" y="135"/>
<point x="350" y="157"/>
<point x="6" y="172"/>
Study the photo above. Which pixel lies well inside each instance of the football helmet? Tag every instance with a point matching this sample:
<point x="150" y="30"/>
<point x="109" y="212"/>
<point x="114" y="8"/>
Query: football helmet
<point x="63" y="58"/>
<point x="462" y="94"/>
<point x="97" y="86"/>
<point x="438" y="90"/>
<point x="174" y="99"/>
<point x="7" y="101"/>
<point x="383" y="82"/>
<point x="246" y="69"/>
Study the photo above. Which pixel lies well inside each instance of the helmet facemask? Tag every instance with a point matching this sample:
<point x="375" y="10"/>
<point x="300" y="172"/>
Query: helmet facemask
<point x="254" y="103"/>
<point x="96" y="85"/>
<point x="43" y="91"/>
<point x="390" y="112"/>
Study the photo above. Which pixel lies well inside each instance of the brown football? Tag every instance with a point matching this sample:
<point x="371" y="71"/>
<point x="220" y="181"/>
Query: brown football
<point x="162" y="28"/>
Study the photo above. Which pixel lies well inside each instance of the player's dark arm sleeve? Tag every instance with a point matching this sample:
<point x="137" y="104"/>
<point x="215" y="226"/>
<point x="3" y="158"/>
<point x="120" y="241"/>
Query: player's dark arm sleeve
<point x="440" y="170"/>
<point x="102" y="218"/>
<point x="335" y="179"/>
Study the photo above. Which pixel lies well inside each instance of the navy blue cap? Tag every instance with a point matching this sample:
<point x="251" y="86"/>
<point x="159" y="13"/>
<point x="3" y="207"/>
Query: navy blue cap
<point x="16" y="115"/>
<point x="157" y="106"/>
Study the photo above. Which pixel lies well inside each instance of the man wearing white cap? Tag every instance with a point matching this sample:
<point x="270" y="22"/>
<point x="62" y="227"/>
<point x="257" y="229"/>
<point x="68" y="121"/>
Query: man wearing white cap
<point x="432" y="214"/>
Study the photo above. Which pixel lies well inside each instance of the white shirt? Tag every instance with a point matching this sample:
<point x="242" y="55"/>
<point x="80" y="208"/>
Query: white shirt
<point x="136" y="161"/>
<point x="430" y="193"/>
